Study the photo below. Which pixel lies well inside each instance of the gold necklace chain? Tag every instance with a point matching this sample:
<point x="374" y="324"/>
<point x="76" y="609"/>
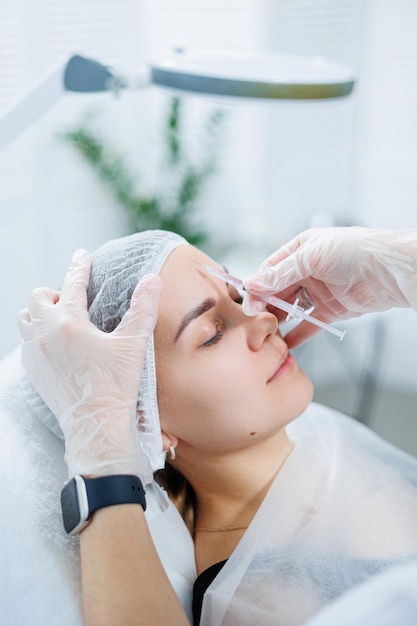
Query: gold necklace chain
<point x="206" y="529"/>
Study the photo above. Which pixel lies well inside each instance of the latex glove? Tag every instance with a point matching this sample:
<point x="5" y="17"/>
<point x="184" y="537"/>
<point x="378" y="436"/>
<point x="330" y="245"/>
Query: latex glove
<point x="90" y="379"/>
<point x="345" y="272"/>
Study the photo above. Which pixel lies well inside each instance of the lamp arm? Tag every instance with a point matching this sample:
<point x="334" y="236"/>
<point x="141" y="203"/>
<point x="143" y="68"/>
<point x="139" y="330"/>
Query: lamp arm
<point x="31" y="106"/>
<point x="78" y="74"/>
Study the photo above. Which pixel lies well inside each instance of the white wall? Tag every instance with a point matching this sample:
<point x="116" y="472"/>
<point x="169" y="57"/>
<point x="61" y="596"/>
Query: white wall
<point x="351" y="161"/>
<point x="386" y="181"/>
<point x="312" y="144"/>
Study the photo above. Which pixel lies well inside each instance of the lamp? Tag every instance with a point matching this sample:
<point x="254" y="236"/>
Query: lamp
<point x="205" y="72"/>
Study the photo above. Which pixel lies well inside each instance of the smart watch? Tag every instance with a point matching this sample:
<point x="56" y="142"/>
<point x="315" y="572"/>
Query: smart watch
<point x="81" y="496"/>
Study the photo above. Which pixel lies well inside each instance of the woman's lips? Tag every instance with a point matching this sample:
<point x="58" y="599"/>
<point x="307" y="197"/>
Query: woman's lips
<point x="285" y="366"/>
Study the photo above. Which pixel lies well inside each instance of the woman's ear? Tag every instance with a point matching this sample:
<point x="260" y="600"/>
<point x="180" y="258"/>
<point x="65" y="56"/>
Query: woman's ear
<point x="168" y="441"/>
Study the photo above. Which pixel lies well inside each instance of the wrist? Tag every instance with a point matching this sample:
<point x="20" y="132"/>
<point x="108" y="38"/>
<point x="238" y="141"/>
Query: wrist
<point x="81" y="497"/>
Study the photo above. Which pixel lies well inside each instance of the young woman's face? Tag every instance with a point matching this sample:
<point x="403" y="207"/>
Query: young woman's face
<point x="225" y="380"/>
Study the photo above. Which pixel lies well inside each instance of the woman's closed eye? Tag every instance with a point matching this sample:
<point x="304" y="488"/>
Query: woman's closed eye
<point x="220" y="328"/>
<point x="216" y="337"/>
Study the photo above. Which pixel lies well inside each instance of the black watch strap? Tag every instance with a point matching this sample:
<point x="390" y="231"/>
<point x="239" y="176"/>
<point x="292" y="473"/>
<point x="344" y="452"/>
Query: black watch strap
<point x="110" y="490"/>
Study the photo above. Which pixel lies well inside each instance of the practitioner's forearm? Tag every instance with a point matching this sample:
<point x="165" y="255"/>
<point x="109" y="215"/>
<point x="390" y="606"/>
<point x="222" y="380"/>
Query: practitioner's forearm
<point x="123" y="580"/>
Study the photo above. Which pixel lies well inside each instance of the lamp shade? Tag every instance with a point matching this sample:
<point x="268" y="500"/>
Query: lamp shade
<point x="231" y="74"/>
<point x="272" y="76"/>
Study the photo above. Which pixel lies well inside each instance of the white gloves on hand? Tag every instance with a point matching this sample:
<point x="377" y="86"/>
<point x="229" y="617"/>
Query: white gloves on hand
<point x="346" y="272"/>
<point x="89" y="379"/>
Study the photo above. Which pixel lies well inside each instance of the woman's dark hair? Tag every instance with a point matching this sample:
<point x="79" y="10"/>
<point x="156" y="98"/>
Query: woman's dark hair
<point x="180" y="492"/>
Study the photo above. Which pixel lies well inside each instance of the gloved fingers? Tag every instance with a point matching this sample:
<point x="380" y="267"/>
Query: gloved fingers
<point x="274" y="279"/>
<point x="41" y="300"/>
<point x="251" y="305"/>
<point x="299" y="295"/>
<point x="301" y="333"/>
<point x="305" y="299"/>
<point x="24" y="325"/>
<point x="23" y="315"/>
<point x="74" y="287"/>
<point x="313" y="293"/>
<point x="283" y="252"/>
<point x="141" y="317"/>
<point x="45" y="294"/>
<point x="291" y="263"/>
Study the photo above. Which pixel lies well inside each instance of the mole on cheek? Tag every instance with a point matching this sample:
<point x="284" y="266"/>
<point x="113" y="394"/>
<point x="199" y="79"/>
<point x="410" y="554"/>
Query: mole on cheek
<point x="254" y="433"/>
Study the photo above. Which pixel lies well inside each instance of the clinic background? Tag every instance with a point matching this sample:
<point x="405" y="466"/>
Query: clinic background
<point x="283" y="166"/>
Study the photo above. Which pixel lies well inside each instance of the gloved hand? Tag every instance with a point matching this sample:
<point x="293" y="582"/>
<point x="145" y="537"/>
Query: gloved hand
<point x="89" y="379"/>
<point x="345" y="272"/>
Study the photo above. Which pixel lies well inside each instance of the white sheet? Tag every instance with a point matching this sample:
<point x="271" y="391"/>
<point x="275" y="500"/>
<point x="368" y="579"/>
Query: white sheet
<point x="40" y="567"/>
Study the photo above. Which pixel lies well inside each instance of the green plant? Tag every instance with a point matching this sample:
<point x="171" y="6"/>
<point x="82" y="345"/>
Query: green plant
<point x="173" y="206"/>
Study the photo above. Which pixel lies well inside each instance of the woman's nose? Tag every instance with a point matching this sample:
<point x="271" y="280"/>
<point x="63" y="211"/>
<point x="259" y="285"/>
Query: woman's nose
<point x="259" y="328"/>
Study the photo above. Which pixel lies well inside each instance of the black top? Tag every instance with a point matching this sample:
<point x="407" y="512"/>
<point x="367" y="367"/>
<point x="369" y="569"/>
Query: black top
<point x="202" y="582"/>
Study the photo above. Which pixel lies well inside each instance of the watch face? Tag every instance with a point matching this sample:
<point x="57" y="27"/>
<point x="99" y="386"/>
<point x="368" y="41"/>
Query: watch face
<point x="81" y="497"/>
<point x="70" y="508"/>
<point x="74" y="505"/>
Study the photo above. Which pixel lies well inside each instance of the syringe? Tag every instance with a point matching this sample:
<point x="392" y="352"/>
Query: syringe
<point x="294" y="310"/>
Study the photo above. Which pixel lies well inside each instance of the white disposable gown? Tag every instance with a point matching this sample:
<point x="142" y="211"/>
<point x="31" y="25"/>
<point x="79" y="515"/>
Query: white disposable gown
<point x="342" y="509"/>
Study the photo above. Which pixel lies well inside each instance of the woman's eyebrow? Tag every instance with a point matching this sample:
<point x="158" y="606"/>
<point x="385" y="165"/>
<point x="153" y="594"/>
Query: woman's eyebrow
<point x="200" y="309"/>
